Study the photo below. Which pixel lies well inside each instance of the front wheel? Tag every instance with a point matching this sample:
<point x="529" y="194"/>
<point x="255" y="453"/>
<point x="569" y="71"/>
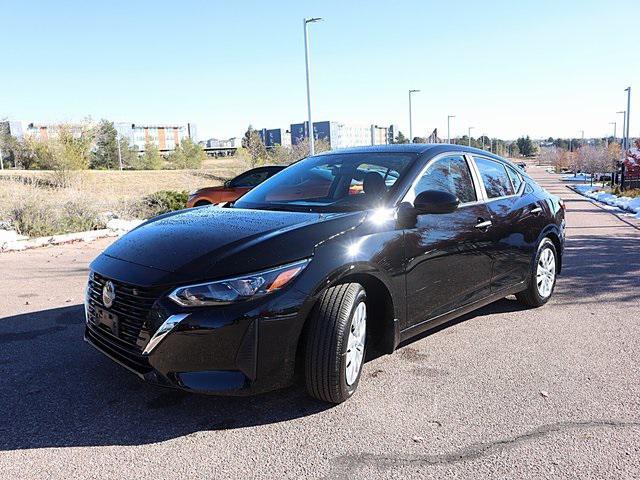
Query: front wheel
<point x="336" y="342"/>
<point x="542" y="279"/>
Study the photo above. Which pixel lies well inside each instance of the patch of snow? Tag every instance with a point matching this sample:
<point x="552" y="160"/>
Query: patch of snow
<point x="120" y="225"/>
<point x="578" y="177"/>
<point x="623" y="203"/>
<point x="8" y="236"/>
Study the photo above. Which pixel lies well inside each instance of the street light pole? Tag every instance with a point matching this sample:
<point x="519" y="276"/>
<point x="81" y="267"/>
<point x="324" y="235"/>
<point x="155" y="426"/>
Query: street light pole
<point x="305" y="21"/>
<point x="624" y="126"/>
<point x="449" y="117"/>
<point x="411" y="117"/>
<point x="628" y="90"/>
<point x="470" y="128"/>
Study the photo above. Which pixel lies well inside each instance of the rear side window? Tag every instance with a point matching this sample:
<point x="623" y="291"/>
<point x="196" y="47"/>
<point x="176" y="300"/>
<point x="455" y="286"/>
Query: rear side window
<point x="251" y="179"/>
<point x="449" y="174"/>
<point x="516" y="179"/>
<point x="495" y="178"/>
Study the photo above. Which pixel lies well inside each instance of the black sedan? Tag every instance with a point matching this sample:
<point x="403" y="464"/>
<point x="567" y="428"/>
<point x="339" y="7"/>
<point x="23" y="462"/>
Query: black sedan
<point x="341" y="253"/>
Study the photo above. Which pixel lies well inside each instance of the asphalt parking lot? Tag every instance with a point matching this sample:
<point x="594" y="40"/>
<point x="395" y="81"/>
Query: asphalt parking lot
<point x="502" y="393"/>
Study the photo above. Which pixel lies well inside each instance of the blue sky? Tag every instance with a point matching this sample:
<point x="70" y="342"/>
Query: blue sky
<point x="543" y="68"/>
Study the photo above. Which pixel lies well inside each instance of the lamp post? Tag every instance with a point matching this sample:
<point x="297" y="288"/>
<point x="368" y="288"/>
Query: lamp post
<point x="449" y="117"/>
<point x="628" y="90"/>
<point x="411" y="117"/>
<point x="470" y="128"/>
<point x="624" y="124"/>
<point x="306" y="21"/>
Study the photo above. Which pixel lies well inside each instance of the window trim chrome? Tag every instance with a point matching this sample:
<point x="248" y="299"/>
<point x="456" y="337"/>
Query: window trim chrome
<point x="505" y="166"/>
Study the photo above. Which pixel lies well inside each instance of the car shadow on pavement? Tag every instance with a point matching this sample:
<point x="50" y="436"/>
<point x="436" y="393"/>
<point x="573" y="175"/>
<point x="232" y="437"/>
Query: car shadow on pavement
<point x="504" y="305"/>
<point x="57" y="391"/>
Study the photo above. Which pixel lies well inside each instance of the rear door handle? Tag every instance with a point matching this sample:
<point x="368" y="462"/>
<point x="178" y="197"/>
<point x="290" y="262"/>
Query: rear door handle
<point x="483" y="223"/>
<point x="536" y="211"/>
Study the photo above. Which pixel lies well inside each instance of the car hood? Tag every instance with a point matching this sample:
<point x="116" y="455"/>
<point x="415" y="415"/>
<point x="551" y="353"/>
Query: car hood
<point x="212" y="242"/>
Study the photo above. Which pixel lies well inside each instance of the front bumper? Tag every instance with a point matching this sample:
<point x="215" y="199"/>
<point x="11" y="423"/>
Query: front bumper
<point x="239" y="349"/>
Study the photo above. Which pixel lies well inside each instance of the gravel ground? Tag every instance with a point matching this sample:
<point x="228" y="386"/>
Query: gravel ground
<point x="503" y="392"/>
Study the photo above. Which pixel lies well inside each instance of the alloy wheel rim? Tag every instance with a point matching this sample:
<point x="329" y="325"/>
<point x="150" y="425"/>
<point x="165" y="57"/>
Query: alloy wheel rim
<point x="355" y="344"/>
<point x="546" y="272"/>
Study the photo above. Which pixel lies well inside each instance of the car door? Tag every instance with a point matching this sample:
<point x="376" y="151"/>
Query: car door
<point x="514" y="216"/>
<point x="447" y="261"/>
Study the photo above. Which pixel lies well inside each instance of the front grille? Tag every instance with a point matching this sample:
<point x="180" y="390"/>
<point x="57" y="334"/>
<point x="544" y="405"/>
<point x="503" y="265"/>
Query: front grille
<point x="131" y="305"/>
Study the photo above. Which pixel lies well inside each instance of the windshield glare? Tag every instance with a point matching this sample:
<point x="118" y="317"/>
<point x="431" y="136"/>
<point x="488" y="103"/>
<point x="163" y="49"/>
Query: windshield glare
<point x="330" y="182"/>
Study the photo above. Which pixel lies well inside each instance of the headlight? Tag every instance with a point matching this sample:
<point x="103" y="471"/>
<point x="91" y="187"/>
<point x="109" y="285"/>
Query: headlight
<point x="236" y="289"/>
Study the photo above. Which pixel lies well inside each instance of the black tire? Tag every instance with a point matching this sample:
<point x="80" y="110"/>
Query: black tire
<point x="202" y="203"/>
<point x="531" y="297"/>
<point x="327" y="341"/>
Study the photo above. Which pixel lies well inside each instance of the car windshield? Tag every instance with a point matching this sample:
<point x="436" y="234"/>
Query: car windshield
<point x="330" y="182"/>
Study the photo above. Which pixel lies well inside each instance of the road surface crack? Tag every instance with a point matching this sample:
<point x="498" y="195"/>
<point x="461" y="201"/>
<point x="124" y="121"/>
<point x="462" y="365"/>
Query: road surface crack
<point x="345" y="465"/>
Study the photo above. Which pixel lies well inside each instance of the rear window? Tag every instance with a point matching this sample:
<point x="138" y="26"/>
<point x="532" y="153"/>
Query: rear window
<point x="495" y="178"/>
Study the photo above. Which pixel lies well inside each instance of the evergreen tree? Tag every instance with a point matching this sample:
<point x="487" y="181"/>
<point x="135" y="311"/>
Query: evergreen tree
<point x="149" y="160"/>
<point x="105" y="154"/>
<point x="526" y="146"/>
<point x="400" y="138"/>
<point x="187" y="154"/>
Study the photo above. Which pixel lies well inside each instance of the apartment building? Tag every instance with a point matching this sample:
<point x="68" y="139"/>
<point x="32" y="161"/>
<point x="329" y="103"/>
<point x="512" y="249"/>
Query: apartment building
<point x="166" y="137"/>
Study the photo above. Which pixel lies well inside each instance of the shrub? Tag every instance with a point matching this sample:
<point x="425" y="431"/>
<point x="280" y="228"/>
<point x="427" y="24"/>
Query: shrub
<point x="161" y="202"/>
<point x="151" y="159"/>
<point x="187" y="155"/>
<point x="37" y="219"/>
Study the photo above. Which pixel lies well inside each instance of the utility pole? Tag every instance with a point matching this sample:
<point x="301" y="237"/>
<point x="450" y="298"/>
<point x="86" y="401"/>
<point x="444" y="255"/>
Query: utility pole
<point x="411" y="117"/>
<point x="305" y="21"/>
<point x="470" y="128"/>
<point x="483" y="135"/>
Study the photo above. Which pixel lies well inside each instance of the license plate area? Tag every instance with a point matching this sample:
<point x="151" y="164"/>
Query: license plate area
<point x="107" y="320"/>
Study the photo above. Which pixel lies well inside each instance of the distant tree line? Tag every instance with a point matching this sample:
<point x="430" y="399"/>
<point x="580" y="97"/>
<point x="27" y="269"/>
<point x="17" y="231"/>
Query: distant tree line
<point x="255" y="153"/>
<point x="522" y="146"/>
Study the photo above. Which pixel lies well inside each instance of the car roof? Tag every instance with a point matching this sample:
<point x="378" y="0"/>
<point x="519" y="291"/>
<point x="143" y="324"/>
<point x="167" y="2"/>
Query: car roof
<point x="415" y="148"/>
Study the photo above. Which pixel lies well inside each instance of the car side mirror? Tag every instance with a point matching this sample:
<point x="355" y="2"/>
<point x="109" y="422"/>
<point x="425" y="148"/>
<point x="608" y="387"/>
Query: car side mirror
<point x="226" y="184"/>
<point x="435" y="201"/>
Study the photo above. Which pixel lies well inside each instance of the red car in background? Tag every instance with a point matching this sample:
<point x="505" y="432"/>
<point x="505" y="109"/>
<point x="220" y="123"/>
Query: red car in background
<point x="232" y="189"/>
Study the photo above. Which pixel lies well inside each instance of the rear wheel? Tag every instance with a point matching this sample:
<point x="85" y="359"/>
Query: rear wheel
<point x="542" y="279"/>
<point x="336" y="343"/>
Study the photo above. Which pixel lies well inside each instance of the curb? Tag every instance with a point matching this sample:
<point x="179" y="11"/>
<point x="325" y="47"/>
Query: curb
<point x="622" y="209"/>
<point x="88" y="236"/>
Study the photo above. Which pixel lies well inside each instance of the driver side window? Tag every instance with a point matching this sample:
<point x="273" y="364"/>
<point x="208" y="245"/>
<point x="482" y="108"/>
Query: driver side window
<point x="449" y="174"/>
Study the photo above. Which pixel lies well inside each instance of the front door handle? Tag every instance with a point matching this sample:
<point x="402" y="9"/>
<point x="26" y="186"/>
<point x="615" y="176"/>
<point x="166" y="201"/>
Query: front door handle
<point x="483" y="223"/>
<point x="536" y="211"/>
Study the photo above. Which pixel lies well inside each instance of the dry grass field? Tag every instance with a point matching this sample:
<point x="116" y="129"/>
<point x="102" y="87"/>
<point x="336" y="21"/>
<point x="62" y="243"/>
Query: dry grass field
<point x="29" y="199"/>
